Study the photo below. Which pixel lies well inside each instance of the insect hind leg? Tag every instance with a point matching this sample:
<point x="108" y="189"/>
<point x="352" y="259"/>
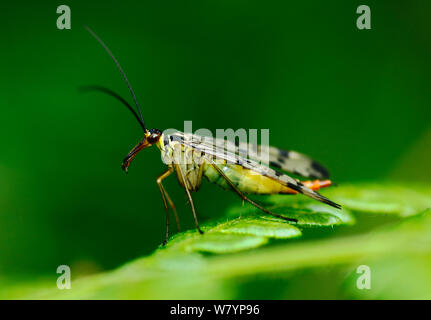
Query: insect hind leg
<point x="244" y="197"/>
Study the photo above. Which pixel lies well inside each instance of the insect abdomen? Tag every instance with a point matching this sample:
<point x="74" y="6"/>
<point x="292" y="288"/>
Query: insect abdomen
<point x="246" y="180"/>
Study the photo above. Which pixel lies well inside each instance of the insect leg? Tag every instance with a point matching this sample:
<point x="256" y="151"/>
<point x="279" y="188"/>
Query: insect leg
<point x="244" y="197"/>
<point x="190" y="200"/>
<point x="177" y="220"/>
<point x="163" y="192"/>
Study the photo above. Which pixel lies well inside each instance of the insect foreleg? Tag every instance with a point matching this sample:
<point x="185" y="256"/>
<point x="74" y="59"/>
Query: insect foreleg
<point x="177" y="220"/>
<point x="186" y="186"/>
<point x="243" y="196"/>
<point x="164" y="197"/>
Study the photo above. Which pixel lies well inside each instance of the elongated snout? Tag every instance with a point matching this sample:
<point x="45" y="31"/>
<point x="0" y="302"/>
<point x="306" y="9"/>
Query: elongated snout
<point x="132" y="154"/>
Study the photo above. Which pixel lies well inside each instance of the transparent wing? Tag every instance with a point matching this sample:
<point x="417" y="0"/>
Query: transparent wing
<point x="218" y="150"/>
<point x="286" y="160"/>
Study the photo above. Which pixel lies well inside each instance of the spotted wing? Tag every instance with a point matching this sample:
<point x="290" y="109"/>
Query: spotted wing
<point x="297" y="163"/>
<point x="210" y="147"/>
<point x="290" y="161"/>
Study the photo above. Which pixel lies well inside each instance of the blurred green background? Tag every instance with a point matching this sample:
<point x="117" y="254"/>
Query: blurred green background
<point x="358" y="101"/>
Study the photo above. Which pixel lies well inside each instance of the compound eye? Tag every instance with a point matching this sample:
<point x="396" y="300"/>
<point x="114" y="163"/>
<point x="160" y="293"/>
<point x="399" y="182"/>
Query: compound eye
<point x="153" y="138"/>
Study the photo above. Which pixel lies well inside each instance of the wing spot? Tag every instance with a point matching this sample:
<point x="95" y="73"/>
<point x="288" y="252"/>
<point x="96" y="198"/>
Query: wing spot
<point x="284" y="153"/>
<point x="294" y="187"/>
<point x="320" y="169"/>
<point x="275" y="164"/>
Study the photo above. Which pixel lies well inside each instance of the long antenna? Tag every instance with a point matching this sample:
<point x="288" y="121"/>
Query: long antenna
<point x="122" y="73"/>
<point x="116" y="96"/>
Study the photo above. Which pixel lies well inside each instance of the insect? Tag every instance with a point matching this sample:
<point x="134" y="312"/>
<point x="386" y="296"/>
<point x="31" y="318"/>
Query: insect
<point x="225" y="163"/>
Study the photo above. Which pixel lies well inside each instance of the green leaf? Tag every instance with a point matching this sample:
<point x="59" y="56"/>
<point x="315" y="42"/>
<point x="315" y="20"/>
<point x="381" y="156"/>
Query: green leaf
<point x="225" y="243"/>
<point x="260" y="226"/>
<point x="383" y="198"/>
<point x="184" y="269"/>
<point x="309" y="213"/>
<point x="178" y="275"/>
<point x="252" y="228"/>
<point x="234" y="235"/>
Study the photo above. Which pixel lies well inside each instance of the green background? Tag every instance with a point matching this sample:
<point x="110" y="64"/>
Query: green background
<point x="356" y="100"/>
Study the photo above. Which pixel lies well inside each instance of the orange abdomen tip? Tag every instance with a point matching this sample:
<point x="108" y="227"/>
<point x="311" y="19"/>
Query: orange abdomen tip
<point x="313" y="185"/>
<point x="317" y="184"/>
